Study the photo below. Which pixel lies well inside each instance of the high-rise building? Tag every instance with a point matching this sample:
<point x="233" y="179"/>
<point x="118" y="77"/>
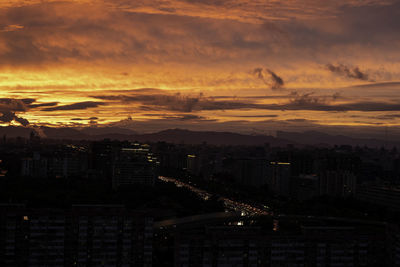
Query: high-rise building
<point x="135" y="166"/>
<point x="251" y="171"/>
<point x="193" y="165"/>
<point x="280" y="177"/>
<point x="384" y="195"/>
<point x="306" y="186"/>
<point x="102" y="157"/>
<point x="82" y="236"/>
<point x="303" y="243"/>
<point x="337" y="183"/>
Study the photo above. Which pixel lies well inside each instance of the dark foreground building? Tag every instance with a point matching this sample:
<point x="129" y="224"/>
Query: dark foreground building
<point x="81" y="236"/>
<point x="287" y="242"/>
<point x="111" y="235"/>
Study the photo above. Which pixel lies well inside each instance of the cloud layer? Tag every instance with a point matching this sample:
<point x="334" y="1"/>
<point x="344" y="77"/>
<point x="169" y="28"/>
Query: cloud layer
<point x="317" y="61"/>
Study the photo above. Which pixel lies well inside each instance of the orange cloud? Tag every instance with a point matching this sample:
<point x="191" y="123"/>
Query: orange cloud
<point x="66" y="54"/>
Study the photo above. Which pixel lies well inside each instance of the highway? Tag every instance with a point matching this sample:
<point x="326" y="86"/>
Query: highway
<point x="245" y="209"/>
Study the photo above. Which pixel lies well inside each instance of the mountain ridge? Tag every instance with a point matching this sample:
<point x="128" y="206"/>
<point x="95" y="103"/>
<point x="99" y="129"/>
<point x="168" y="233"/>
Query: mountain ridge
<point x="185" y="136"/>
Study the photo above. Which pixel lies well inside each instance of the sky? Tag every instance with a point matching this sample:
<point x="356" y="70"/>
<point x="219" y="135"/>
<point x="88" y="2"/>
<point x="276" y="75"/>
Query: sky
<point x="235" y="65"/>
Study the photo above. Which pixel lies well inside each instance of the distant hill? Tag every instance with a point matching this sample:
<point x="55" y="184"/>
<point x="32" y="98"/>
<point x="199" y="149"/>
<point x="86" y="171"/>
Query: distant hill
<point x="196" y="137"/>
<point x="319" y="138"/>
<point x="172" y="136"/>
<point x="214" y="138"/>
<point x="14" y="131"/>
<point x="106" y="130"/>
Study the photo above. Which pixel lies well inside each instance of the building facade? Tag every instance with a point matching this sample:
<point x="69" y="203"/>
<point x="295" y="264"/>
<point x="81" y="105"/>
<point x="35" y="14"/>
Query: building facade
<point x="81" y="236"/>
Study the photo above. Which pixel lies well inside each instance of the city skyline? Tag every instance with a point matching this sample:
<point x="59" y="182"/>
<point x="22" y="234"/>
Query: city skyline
<point x="241" y="66"/>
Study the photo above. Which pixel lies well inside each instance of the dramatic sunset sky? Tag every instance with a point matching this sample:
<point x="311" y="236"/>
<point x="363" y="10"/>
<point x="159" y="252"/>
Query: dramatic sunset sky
<point x="235" y="65"/>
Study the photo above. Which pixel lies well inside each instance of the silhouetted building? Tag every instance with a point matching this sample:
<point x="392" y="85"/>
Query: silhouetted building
<point x="337" y="183"/>
<point x="393" y="241"/>
<point x="384" y="195"/>
<point x="193" y="164"/>
<point x="251" y="171"/>
<point x="65" y="163"/>
<point x="280" y="177"/>
<point x="102" y="156"/>
<point x="35" y="166"/>
<point x="300" y="244"/>
<point x="83" y="236"/>
<point x="306" y="186"/>
<point x="134" y="166"/>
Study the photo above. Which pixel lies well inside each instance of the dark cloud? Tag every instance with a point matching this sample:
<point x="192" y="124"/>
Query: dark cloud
<point x="272" y="79"/>
<point x="46" y="22"/>
<point x="14" y="105"/>
<point x="82" y="119"/>
<point x="176" y="102"/>
<point x="76" y="106"/>
<point x="49" y="104"/>
<point x="304" y="99"/>
<point x="188" y="117"/>
<point x="349" y="72"/>
<point x="8" y="117"/>
<point x="93" y="121"/>
<point x="53" y="32"/>
<point x="319" y="104"/>
<point x="369" y="106"/>
<point x="369" y="122"/>
<point x="301" y="121"/>
<point x="257" y="116"/>
<point x="182" y="103"/>
<point x="169" y="10"/>
<point x="309" y="101"/>
<point x="378" y="85"/>
<point x="277" y="82"/>
<point x="259" y="73"/>
<point x="22" y="121"/>
<point x="388" y="117"/>
<point x="9" y="106"/>
<point x="297" y="101"/>
<point x="28" y="101"/>
<point x="208" y="2"/>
